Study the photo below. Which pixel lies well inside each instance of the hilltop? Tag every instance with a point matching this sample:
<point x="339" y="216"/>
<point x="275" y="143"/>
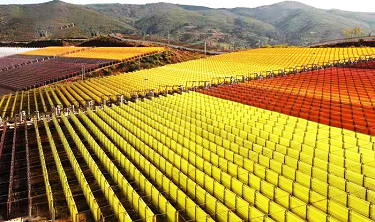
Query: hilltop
<point x="289" y="22"/>
<point x="55" y="19"/>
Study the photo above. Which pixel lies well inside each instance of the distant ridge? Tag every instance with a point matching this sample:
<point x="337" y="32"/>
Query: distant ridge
<point x="38" y="21"/>
<point x="288" y="22"/>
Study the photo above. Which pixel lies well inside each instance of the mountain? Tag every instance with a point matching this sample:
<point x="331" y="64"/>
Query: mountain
<point x="55" y="19"/>
<point x="191" y="24"/>
<point x="300" y="23"/>
<point x="287" y="22"/>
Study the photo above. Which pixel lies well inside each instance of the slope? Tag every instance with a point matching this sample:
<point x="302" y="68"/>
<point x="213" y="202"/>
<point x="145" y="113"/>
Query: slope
<point x="287" y="22"/>
<point x="55" y="19"/>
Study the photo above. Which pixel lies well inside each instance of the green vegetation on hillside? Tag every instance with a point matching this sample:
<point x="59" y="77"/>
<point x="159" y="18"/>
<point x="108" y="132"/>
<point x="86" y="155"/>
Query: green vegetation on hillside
<point x="55" y="19"/>
<point x="170" y="56"/>
<point x="289" y="22"/>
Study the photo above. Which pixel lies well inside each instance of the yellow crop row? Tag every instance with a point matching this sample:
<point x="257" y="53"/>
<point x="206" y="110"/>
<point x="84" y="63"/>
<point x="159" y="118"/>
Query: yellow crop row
<point x="211" y="159"/>
<point x="53" y="51"/>
<point x="235" y="157"/>
<point x="209" y="69"/>
<point x="115" y="53"/>
<point x="231" y="65"/>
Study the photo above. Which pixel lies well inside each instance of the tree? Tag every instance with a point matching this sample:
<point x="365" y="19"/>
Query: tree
<point x="348" y="33"/>
<point x="355" y="32"/>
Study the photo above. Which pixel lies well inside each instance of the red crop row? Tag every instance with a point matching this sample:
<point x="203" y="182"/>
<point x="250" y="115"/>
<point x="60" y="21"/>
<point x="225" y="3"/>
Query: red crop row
<point x="340" y="97"/>
<point x="37" y="74"/>
<point x="17" y="60"/>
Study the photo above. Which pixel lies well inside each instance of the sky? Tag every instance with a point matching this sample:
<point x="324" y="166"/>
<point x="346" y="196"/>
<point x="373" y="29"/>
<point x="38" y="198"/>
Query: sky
<point x="357" y="5"/>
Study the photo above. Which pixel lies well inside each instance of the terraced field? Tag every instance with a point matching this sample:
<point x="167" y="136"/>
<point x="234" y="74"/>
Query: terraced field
<point x="341" y="97"/>
<point x="13" y="61"/>
<point x="293" y="145"/>
<point x="41" y="73"/>
<point x="116" y="53"/>
<point x="223" y="69"/>
<point x="40" y="67"/>
<point x="54" y="51"/>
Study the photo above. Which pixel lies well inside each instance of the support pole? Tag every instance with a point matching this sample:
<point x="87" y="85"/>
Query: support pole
<point x="30" y="201"/>
<point x="11" y="177"/>
<point x="3" y="138"/>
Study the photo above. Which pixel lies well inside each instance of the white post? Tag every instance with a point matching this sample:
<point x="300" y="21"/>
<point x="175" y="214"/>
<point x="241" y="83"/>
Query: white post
<point x="57" y="110"/>
<point x="37" y="115"/>
<point x="205" y="47"/>
<point x="121" y="98"/>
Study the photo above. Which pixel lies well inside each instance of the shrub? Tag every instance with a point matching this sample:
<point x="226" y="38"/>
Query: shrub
<point x="148" y="66"/>
<point x="122" y="65"/>
<point x="133" y="67"/>
<point x="107" y="72"/>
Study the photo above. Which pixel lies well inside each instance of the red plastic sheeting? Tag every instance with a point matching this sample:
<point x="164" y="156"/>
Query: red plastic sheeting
<point x="340" y="97"/>
<point x="17" y="60"/>
<point x="37" y="74"/>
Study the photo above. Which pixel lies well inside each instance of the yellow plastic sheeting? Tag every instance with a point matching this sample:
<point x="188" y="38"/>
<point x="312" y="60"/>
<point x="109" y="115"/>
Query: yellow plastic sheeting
<point x="115" y="53"/>
<point x="302" y="177"/>
<point x="111" y="197"/>
<point x="176" y="175"/>
<point x="94" y="207"/>
<point x="137" y="202"/>
<point x="54" y="51"/>
<point x="179" y="197"/>
<point x="42" y="160"/>
<point x="217" y="174"/>
<point x="215" y="69"/>
<point x="157" y="198"/>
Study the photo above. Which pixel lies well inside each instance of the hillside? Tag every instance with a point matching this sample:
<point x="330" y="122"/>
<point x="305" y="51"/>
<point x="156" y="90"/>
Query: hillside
<point x="287" y="22"/>
<point x="55" y="20"/>
<point x="302" y="24"/>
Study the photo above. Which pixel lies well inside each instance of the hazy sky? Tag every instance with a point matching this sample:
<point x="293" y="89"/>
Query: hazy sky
<point x="357" y="5"/>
